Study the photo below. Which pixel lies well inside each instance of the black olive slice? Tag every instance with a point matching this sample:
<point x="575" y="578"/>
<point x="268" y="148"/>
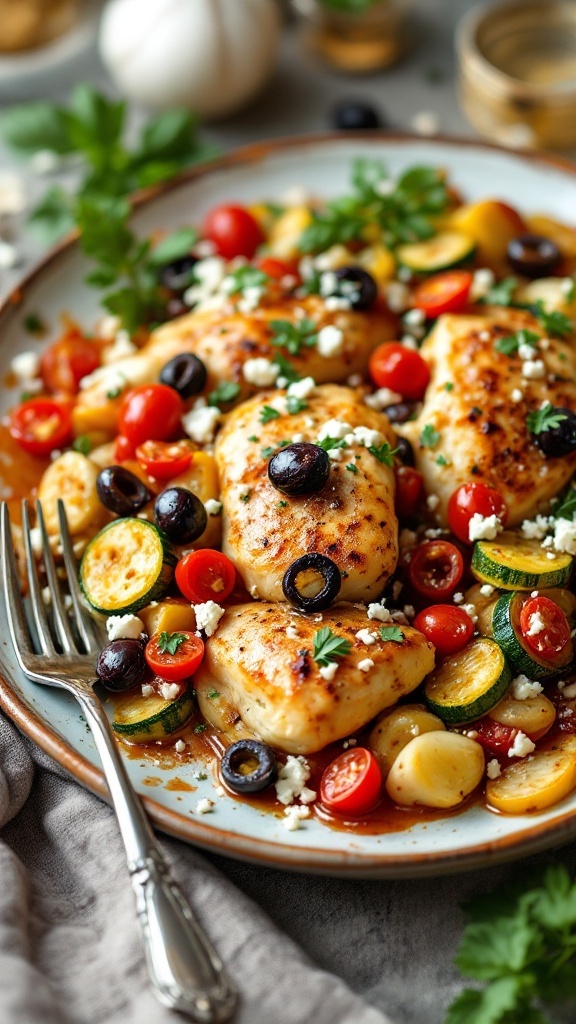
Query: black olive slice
<point x="185" y="373"/>
<point x="533" y="255"/>
<point x="326" y="596"/>
<point x="560" y="438"/>
<point x="120" y="491"/>
<point x="357" y="285"/>
<point x="249" y="766"/>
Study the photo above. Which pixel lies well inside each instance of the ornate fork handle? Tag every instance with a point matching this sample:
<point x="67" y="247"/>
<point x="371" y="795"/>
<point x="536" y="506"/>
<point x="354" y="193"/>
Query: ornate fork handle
<point x="184" y="969"/>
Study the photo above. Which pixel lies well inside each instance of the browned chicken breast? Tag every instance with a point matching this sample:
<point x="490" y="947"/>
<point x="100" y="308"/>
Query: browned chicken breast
<point x="351" y="519"/>
<point x="478" y="401"/>
<point x="261" y="665"/>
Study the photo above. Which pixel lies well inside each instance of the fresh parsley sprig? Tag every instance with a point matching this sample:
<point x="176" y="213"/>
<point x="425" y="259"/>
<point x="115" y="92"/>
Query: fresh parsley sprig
<point x="545" y="418"/>
<point x="169" y="643"/>
<point x="293" y="337"/>
<point x="509" y="344"/>
<point x="429" y="436"/>
<point x="393" y="633"/>
<point x="553" y="321"/>
<point x="224" y="392"/>
<point x="384" y="453"/>
<point x="500" y="294"/>
<point x="565" y="506"/>
<point x="328" y="647"/>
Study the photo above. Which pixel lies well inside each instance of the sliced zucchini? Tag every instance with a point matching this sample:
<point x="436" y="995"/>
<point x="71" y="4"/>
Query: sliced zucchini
<point x="536" y="782"/>
<point x="127" y="565"/>
<point x="512" y="563"/>
<point x="444" y="251"/>
<point x="468" y="684"/>
<point x="142" y="719"/>
<point x="507" y="632"/>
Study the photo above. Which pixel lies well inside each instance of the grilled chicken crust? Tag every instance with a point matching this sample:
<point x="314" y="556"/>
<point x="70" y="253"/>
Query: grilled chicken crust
<point x="481" y="418"/>
<point x="351" y="520"/>
<point x="260" y="664"/>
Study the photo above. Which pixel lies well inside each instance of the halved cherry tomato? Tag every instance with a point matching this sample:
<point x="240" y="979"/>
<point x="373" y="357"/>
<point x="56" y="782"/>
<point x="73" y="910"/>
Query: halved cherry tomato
<point x="188" y="654"/>
<point x="443" y="293"/>
<point x="123" y="449"/>
<point x="277" y="269"/>
<point x="233" y="231"/>
<point x="495" y="737"/>
<point x="205" y="575"/>
<point x="544" y="627"/>
<point x="163" y="460"/>
<point x="400" y="369"/>
<point x="41" y="425"/>
<point x="471" y="499"/>
<point x="436" y="568"/>
<point x="447" y="627"/>
<point x="409" y="486"/>
<point x="151" y="412"/>
<point x="67" y="361"/>
<point x="352" y="784"/>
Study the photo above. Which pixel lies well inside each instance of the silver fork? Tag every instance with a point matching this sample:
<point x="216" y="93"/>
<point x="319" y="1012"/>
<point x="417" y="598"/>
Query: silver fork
<point x="185" y="971"/>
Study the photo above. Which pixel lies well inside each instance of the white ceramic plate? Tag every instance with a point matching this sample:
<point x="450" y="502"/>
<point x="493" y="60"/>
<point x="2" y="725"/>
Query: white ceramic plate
<point x="473" y="838"/>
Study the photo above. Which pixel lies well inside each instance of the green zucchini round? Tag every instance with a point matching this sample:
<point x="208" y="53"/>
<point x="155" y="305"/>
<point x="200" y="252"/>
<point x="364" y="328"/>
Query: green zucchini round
<point x="468" y="684"/>
<point x="127" y="565"/>
<point x="144" y="719"/>
<point x="511" y="562"/>
<point x="507" y="632"/>
<point x="444" y="251"/>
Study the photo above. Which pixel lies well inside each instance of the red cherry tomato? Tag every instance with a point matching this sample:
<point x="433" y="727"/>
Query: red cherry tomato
<point x="123" y="449"/>
<point x="188" y="654"/>
<point x="277" y="269"/>
<point x="151" y="412"/>
<point x="41" y="425"/>
<point x="443" y="293"/>
<point x="205" y="575"/>
<point x="409" y="486"/>
<point x="68" y="360"/>
<point x="352" y="784"/>
<point x="447" y="627"/>
<point x="400" y="369"/>
<point x="544" y="627"/>
<point x="164" y="460"/>
<point x="495" y="737"/>
<point x="469" y="500"/>
<point x="233" y="231"/>
<point x="436" y="568"/>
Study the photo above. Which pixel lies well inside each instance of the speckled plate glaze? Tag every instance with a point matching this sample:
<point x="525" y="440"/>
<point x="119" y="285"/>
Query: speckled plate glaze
<point x="471" y="839"/>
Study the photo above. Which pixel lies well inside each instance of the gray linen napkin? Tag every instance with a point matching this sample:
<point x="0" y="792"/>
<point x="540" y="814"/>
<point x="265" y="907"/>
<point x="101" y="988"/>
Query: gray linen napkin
<point x="69" y="948"/>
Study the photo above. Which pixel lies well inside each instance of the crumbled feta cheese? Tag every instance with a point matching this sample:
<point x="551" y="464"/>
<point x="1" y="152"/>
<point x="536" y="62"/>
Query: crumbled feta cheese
<point x="458" y="598"/>
<point x="334" y="303"/>
<point x="523" y="688"/>
<point x="382" y="398"/>
<point x="569" y="691"/>
<point x="397" y="296"/>
<point x="120" y="627"/>
<point x="330" y="341"/>
<point x="409" y="611"/>
<point x="379" y="612"/>
<point x="147" y="690"/>
<point x="292" y="779"/>
<point x="517" y="395"/>
<point x="121" y="347"/>
<point x="204" y="806"/>
<point x="294" y="815"/>
<point x="209" y="274"/>
<point x="366" y="664"/>
<point x="426" y="123"/>
<point x="432" y="501"/>
<point x="170" y="690"/>
<point x="250" y="300"/>
<point x="291" y="632"/>
<point x="335" y="454"/>
<point x="208" y="616"/>
<point x="260" y="371"/>
<point x="328" y="671"/>
<point x="535" y="529"/>
<point x="201" y="422"/>
<point x="414" y="317"/>
<point x="301" y="388"/>
<point x="482" y="281"/>
<point x="368" y="438"/>
<point x="483" y="527"/>
<point x="365" y="636"/>
<point x="493" y="769"/>
<point x="533" y="369"/>
<point x="213" y="507"/>
<point x="408" y="342"/>
<point x="487" y="590"/>
<point x="180" y="746"/>
<point x="526" y="351"/>
<point x="536" y="624"/>
<point x="522" y="746"/>
<point x="25" y="366"/>
<point x="334" y="428"/>
<point x="470" y="610"/>
<point x="565" y="536"/>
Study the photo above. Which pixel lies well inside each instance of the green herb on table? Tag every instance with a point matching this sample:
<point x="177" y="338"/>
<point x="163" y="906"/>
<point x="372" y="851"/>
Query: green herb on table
<point x="328" y="647"/>
<point x="169" y="643"/>
<point x="545" y="418"/>
<point x="293" y="337"/>
<point x="520" y="945"/>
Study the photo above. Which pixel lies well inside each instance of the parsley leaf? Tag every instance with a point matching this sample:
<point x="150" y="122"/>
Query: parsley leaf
<point x="393" y="633"/>
<point x="554" y="322"/>
<point x="34" y="324"/>
<point x="173" y="246"/>
<point x="293" y="337"/>
<point x="244" y="277"/>
<point x="500" y="294"/>
<point x="295" y="404"/>
<point x="213" y="694"/>
<point x="329" y="443"/>
<point x="442" y="460"/>
<point x="545" y="418"/>
<point x="384" y="453"/>
<point x="328" y="647"/>
<point x="510" y="343"/>
<point x="82" y="444"/>
<point x="268" y="413"/>
<point x="224" y="392"/>
<point x="169" y="643"/>
<point x="565" y="506"/>
<point x="352" y="467"/>
<point x="429" y="437"/>
<point x="285" y="368"/>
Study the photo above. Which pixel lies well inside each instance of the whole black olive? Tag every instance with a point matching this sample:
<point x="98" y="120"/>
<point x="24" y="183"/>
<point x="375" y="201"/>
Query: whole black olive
<point x="560" y="439"/>
<point x="121" y="664"/>
<point x="533" y="255"/>
<point x="405" y="451"/>
<point x="299" y="468"/>
<point x="177" y="275"/>
<point x="356" y="285"/>
<point x="355" y="115"/>
<point x="312" y="564"/>
<point x="185" y="373"/>
<point x="249" y="766"/>
<point x="400" y="412"/>
<point x="120" y="491"/>
<point x="180" y="514"/>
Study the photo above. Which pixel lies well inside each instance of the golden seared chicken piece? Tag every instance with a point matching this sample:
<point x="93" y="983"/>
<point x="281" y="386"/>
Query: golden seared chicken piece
<point x="351" y="519"/>
<point x="225" y="338"/>
<point x="260" y="662"/>
<point x="478" y="401"/>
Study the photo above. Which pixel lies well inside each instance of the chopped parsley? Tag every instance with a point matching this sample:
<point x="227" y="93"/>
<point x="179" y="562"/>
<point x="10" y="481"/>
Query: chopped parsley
<point x="293" y="337"/>
<point x="448" y="386"/>
<point x="330" y="443"/>
<point x="510" y="343"/>
<point x="295" y="405"/>
<point x="114" y="392"/>
<point x="268" y="413"/>
<point x="553" y="322"/>
<point x="429" y="437"/>
<point x="285" y="368"/>
<point x="245" y="497"/>
<point x="328" y="647"/>
<point x="213" y="694"/>
<point x="267" y="452"/>
<point x="224" y="392"/>
<point x="282" y="504"/>
<point x="169" y="643"/>
<point x="545" y="418"/>
<point x="442" y="460"/>
<point x="500" y="294"/>
<point x="82" y="444"/>
<point x="384" y="453"/>
<point x="253" y="438"/>
<point x="393" y="633"/>
<point x="352" y="468"/>
<point x="34" y="324"/>
<point x="201" y="727"/>
<point x="565" y="505"/>
<point x="245" y="277"/>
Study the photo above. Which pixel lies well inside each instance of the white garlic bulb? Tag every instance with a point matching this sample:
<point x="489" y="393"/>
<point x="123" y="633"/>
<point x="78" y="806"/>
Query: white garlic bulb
<point x="209" y="55"/>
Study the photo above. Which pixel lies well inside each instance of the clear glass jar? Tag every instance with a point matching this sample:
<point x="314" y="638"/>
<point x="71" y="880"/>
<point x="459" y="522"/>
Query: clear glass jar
<point x="26" y="24"/>
<point x="355" y="41"/>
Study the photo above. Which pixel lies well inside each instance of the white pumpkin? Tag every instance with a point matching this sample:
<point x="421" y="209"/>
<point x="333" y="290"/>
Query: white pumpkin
<point x="211" y="56"/>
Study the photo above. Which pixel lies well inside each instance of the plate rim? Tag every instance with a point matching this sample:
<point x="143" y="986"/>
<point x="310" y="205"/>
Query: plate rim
<point x="315" y="860"/>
